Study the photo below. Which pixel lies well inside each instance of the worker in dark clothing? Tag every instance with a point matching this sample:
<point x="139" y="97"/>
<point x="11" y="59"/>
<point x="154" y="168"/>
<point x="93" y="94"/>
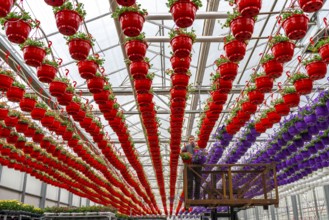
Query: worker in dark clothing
<point x="193" y="176"/>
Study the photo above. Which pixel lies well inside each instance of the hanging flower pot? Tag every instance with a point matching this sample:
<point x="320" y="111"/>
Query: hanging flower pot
<point x="3" y="112"/>
<point x="316" y="68"/>
<point x="274" y="117"/>
<point x="37" y="137"/>
<point x="235" y="50"/>
<point x="126" y="3"/>
<point x="6" y="79"/>
<point x="256" y="97"/>
<point x="5" y="7"/>
<point x="136" y="49"/>
<point x="142" y="85"/>
<point x="48" y="119"/>
<point x="282" y="109"/>
<point x="58" y="87"/>
<point x="249" y="107"/>
<point x="88" y="68"/>
<point x="65" y="99"/>
<point x="295" y="24"/>
<point x="55" y="3"/>
<point x="249" y="8"/>
<point x="16" y="92"/>
<point x="282" y="49"/>
<point x="224" y="86"/>
<point x="74" y="107"/>
<point x="178" y="94"/>
<point x="22" y="126"/>
<point x="181" y="42"/>
<point x="183" y="12"/>
<point x="79" y="46"/>
<point x="321" y="112"/>
<point x="242" y="28"/>
<point x="180" y="65"/>
<point x="227" y="70"/>
<point x="264" y="84"/>
<point x="28" y="102"/>
<point x="46" y="72"/>
<point x="180" y="80"/>
<point x="260" y="128"/>
<point x="139" y="69"/>
<point x="266" y="123"/>
<point x="68" y="20"/>
<point x="131" y="19"/>
<point x="272" y="67"/>
<point x="39" y="112"/>
<point x="218" y="97"/>
<point x="310" y="119"/>
<point x="101" y="97"/>
<point x="34" y="52"/>
<point x="144" y="98"/>
<point x="310" y="5"/>
<point x="12" y="119"/>
<point x="324" y="52"/>
<point x="304" y="86"/>
<point x="18" y="27"/>
<point x="96" y="84"/>
<point x="30" y="131"/>
<point x="291" y="97"/>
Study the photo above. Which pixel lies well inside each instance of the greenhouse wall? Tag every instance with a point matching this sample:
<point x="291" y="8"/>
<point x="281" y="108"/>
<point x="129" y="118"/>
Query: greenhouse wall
<point x="15" y="185"/>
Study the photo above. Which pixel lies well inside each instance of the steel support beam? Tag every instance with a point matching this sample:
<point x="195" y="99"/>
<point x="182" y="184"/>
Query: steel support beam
<point x="43" y="195"/>
<point x="316" y="204"/>
<point x="24" y="188"/>
<point x="294" y="207"/>
<point x="326" y="197"/>
<point x="199" y="39"/>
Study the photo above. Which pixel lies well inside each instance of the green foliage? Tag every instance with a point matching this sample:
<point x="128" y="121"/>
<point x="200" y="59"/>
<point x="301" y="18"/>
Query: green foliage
<point x="197" y="3"/>
<point x="31" y="96"/>
<point x="51" y="63"/>
<point x="76" y="99"/>
<point x="22" y="15"/>
<point x="277" y="101"/>
<point x="14" y="113"/>
<point x="186" y="155"/>
<point x="297" y="76"/>
<point x="81" y="36"/>
<point x="250" y="88"/>
<point x="150" y="76"/>
<point x="63" y="80"/>
<point x="266" y="58"/>
<point x="69" y="6"/>
<point x="229" y="39"/>
<point x="107" y="87"/>
<point x="288" y="90"/>
<point x="19" y="85"/>
<point x="182" y="31"/>
<point x="315" y="58"/>
<point x="222" y="60"/>
<point x="96" y="59"/>
<point x="140" y="37"/>
<point x="14" y="205"/>
<point x="320" y="44"/>
<point x="41" y="105"/>
<point x="278" y="39"/>
<point x="35" y="43"/>
<point x="230" y="18"/>
<point x="7" y="73"/>
<point x="134" y="8"/>
<point x="254" y="76"/>
<point x="287" y="14"/>
<point x="3" y="105"/>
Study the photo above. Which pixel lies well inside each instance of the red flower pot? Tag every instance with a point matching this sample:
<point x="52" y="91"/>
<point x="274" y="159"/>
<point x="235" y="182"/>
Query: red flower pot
<point x="55" y="3"/>
<point x="139" y="69"/>
<point x="3" y="113"/>
<point x="131" y="23"/>
<point x="235" y="50"/>
<point x="180" y="80"/>
<point x="181" y="45"/>
<point x="324" y="53"/>
<point x="73" y="108"/>
<point x="21" y="127"/>
<point x="5" y="7"/>
<point x="5" y="82"/>
<point x="65" y="99"/>
<point x="292" y="99"/>
<point x="79" y="49"/>
<point x="178" y="94"/>
<point x="296" y="26"/>
<point x="243" y="116"/>
<point x="87" y="69"/>
<point x="29" y="132"/>
<point x="242" y="28"/>
<point x="17" y="31"/>
<point x="273" y="69"/>
<point x="224" y="86"/>
<point x="136" y="50"/>
<point x="33" y="56"/>
<point x="57" y="88"/>
<point x="144" y="98"/>
<point x="5" y="132"/>
<point x="266" y="123"/>
<point x="249" y="8"/>
<point x="228" y="71"/>
<point x="54" y="126"/>
<point x="282" y="109"/>
<point x="274" y="117"/>
<point x="68" y="22"/>
<point x="304" y="86"/>
<point x="37" y="138"/>
<point x="15" y="94"/>
<point x="47" y="121"/>
<point x="79" y="116"/>
<point x="95" y="85"/>
<point x="260" y="128"/>
<point x="316" y="70"/>
<point x="11" y="121"/>
<point x="46" y="73"/>
<point x="249" y="107"/>
<point x="180" y="65"/>
<point x="256" y="97"/>
<point x="218" y="97"/>
<point x="126" y="3"/>
<point x="101" y="97"/>
<point x="283" y="51"/>
<point x="183" y="13"/>
<point x="264" y="84"/>
<point x="310" y="5"/>
<point x="12" y="139"/>
<point x="27" y="104"/>
<point x="38" y="113"/>
<point x="142" y="85"/>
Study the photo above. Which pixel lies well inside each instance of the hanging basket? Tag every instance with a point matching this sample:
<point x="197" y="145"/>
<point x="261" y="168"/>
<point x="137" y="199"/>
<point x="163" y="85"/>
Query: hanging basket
<point x="79" y="49"/>
<point x="57" y="88"/>
<point x="273" y="117"/>
<point x="178" y="94"/>
<point x="324" y="53"/>
<point x="38" y="113"/>
<point x="142" y="85"/>
<point x="101" y="97"/>
<point x="11" y="121"/>
<point x="73" y="108"/>
<point x="15" y="94"/>
<point x="5" y="7"/>
<point x="181" y="45"/>
<point x="47" y="121"/>
<point x="249" y="8"/>
<point x="235" y="50"/>
<point x="264" y="84"/>
<point x="21" y="127"/>
<point x="3" y="113"/>
<point x="144" y="98"/>
<point x="218" y="97"/>
<point x="282" y="109"/>
<point x="242" y="28"/>
<point x="139" y="69"/>
<point x="180" y="80"/>
<point x="27" y="104"/>
<point x="310" y="5"/>
<point x="224" y="86"/>
<point x="65" y="99"/>
<point x="55" y="3"/>
<point x="131" y="23"/>
<point x="126" y="3"/>
<point x="17" y="31"/>
<point x="292" y="100"/>
<point x="249" y="107"/>
<point x="136" y="50"/>
<point x="260" y="128"/>
<point x="180" y="65"/>
<point x="228" y="71"/>
<point x="46" y="73"/>
<point x="304" y="86"/>
<point x="87" y="69"/>
<point x="296" y="26"/>
<point x="5" y="82"/>
<point x="273" y="69"/>
<point x="95" y="85"/>
<point x="183" y="13"/>
<point x="68" y="22"/>
<point x="33" y="56"/>
<point x="283" y="51"/>
<point x="256" y="97"/>
<point x="316" y="70"/>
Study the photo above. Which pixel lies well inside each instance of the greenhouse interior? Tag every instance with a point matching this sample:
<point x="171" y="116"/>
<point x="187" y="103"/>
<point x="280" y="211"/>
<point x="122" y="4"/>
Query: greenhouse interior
<point x="164" y="109"/>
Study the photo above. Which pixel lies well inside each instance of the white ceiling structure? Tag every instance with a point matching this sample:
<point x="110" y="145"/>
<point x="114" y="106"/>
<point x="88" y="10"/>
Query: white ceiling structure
<point x="206" y="50"/>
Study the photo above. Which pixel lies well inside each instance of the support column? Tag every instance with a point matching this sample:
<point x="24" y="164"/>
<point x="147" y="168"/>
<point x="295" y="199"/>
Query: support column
<point x="70" y="199"/>
<point x="0" y="172"/>
<point x="326" y="197"/>
<point x="59" y="197"/>
<point x="24" y="188"/>
<point x="272" y="212"/>
<point x="294" y="207"/>
<point x="300" y="207"/>
<point x="88" y="202"/>
<point x="257" y="213"/>
<point x="43" y="195"/>
<point x="245" y="216"/>
<point x="316" y="204"/>
<point x="287" y="208"/>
